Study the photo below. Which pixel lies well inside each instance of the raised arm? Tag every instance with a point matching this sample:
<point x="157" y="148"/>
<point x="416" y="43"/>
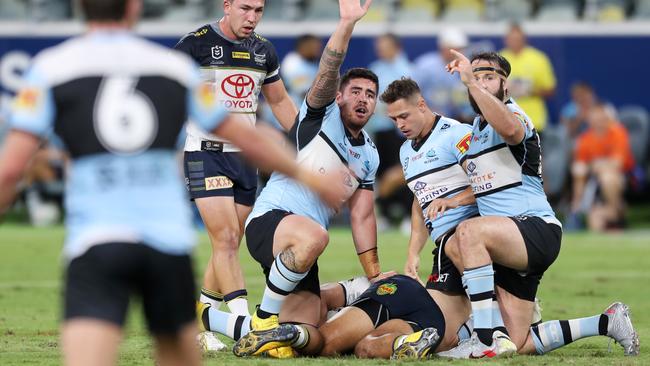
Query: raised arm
<point x="323" y="89"/>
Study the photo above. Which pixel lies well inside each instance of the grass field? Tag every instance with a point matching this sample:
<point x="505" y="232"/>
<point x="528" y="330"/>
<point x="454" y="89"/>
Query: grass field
<point x="592" y="271"/>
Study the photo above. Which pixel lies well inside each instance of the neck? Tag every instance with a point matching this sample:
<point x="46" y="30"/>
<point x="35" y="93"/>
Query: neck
<point x="226" y="31"/>
<point x="355" y="132"/>
<point x="102" y="26"/>
<point x="428" y="125"/>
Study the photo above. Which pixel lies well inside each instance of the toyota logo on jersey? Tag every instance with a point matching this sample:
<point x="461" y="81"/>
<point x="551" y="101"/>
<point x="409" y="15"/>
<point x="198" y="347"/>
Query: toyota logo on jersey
<point x="238" y="86"/>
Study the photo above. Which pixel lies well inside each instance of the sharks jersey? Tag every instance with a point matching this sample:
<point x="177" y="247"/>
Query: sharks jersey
<point x="432" y="170"/>
<point x="236" y="70"/>
<point x="118" y="103"/>
<point x="507" y="179"/>
<point x="325" y="146"/>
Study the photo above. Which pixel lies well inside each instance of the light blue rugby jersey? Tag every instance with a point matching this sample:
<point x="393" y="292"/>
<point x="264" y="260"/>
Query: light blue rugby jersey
<point x="507" y="179"/>
<point x="432" y="170"/>
<point x="324" y="145"/>
<point x="118" y="102"/>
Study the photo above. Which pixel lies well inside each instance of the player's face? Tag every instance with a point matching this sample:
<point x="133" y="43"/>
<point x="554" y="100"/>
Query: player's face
<point x="409" y="116"/>
<point x="242" y="16"/>
<point x="491" y="82"/>
<point x="357" y="102"/>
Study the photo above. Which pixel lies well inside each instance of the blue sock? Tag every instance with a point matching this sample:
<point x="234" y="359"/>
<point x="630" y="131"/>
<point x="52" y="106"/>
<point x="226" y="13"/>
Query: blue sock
<point x="554" y="334"/>
<point x="280" y="283"/>
<point x="231" y="325"/>
<point x="480" y="287"/>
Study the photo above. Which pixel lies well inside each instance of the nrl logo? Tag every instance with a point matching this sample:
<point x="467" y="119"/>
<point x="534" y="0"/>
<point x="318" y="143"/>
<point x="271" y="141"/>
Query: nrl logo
<point x="217" y="52"/>
<point x="387" y="289"/>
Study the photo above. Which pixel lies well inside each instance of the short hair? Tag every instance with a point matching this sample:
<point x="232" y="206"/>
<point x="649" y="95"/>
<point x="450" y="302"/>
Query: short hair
<point x="104" y="10"/>
<point x="403" y="88"/>
<point x="358" y="73"/>
<point x="306" y="38"/>
<point x="580" y="84"/>
<point x="494" y="58"/>
<point x="393" y="38"/>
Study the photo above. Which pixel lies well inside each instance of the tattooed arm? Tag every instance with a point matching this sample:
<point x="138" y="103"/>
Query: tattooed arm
<point x="323" y="89"/>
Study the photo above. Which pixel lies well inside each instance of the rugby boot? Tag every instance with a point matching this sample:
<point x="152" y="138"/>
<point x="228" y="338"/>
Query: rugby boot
<point x="416" y="345"/>
<point x="620" y="328"/>
<point x="501" y="346"/>
<point x="208" y="341"/>
<point x="257" y="342"/>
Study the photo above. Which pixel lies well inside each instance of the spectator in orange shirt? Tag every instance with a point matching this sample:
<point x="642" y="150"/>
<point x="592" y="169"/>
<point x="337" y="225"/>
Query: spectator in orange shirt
<point x="602" y="159"/>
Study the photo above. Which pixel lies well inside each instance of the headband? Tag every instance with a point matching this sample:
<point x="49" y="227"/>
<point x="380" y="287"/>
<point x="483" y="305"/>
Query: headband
<point x="489" y="69"/>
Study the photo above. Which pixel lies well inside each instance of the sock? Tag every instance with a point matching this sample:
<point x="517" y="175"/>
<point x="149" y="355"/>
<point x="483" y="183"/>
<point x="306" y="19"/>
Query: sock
<point x="303" y="338"/>
<point x="497" y="320"/>
<point x="231" y="325"/>
<point x="213" y="298"/>
<point x="237" y="302"/>
<point x="554" y="334"/>
<point x="480" y="286"/>
<point x="465" y="330"/>
<point x="280" y="283"/>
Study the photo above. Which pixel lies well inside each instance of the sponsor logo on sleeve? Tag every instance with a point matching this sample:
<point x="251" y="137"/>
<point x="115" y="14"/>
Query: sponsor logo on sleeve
<point x="28" y="99"/>
<point x="241" y="55"/>
<point x="463" y="144"/>
<point x="217" y="182"/>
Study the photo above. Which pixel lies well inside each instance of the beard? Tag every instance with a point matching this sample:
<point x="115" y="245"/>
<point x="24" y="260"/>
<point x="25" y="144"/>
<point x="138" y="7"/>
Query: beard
<point x="501" y="93"/>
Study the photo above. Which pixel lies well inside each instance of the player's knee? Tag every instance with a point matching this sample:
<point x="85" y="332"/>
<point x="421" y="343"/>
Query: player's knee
<point x="363" y="349"/>
<point x="227" y="239"/>
<point x="316" y="242"/>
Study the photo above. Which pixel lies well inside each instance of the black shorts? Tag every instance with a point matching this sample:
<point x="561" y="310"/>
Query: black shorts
<point x="444" y="275"/>
<point x="216" y="173"/>
<point x="543" y="242"/>
<point x="259" y="239"/>
<point x="401" y="297"/>
<point x="99" y="284"/>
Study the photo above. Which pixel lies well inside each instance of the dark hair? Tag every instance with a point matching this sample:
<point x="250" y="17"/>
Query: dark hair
<point x="582" y="85"/>
<point x="493" y="58"/>
<point x="358" y="73"/>
<point x="305" y="38"/>
<point x="104" y="10"/>
<point x="403" y="88"/>
<point x="393" y="38"/>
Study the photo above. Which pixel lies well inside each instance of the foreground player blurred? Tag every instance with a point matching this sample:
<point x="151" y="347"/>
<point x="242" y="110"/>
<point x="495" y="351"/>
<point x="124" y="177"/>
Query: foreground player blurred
<point x="118" y="103"/>
<point x="287" y="230"/>
<point x="239" y="64"/>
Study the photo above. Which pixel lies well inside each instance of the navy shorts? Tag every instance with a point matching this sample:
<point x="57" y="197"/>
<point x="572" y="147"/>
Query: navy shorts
<point x="401" y="297"/>
<point x="100" y="283"/>
<point x="444" y="275"/>
<point x="216" y="173"/>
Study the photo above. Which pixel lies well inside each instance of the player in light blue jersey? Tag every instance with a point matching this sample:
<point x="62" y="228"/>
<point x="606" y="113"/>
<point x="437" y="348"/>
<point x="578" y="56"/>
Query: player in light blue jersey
<point x="118" y="102"/>
<point x="287" y="230"/>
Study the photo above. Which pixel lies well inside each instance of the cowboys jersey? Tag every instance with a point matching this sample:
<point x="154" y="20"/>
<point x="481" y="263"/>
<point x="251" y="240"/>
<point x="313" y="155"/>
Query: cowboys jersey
<point x="507" y="179"/>
<point x="432" y="170"/>
<point x="235" y="69"/>
<point x="325" y="146"/>
<point x="118" y="103"/>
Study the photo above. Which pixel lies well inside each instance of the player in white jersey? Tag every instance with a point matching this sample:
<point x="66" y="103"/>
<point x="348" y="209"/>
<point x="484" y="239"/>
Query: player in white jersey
<point x="238" y="64"/>
<point x="118" y="103"/>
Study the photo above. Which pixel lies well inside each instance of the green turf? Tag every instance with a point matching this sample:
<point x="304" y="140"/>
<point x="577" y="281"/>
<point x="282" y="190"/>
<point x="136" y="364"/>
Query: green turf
<point x="591" y="272"/>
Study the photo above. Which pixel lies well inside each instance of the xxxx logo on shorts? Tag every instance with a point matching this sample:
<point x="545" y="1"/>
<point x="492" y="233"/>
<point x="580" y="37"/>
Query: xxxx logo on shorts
<point x="218" y="182"/>
<point x="386" y="289"/>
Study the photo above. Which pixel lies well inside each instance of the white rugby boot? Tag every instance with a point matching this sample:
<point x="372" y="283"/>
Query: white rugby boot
<point x="620" y="328"/>
<point x="208" y="342"/>
<point x="501" y="346"/>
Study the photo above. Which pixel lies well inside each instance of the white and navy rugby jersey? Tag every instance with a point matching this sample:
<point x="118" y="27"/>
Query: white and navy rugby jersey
<point x="507" y="179"/>
<point x="235" y="69"/>
<point x="324" y="145"/>
<point x="118" y="103"/>
<point x="432" y="170"/>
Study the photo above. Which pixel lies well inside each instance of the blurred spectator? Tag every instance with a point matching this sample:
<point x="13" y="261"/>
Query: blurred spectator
<point x="393" y="197"/>
<point x="444" y="93"/>
<point x="299" y="67"/>
<point x="574" y="114"/>
<point x="602" y="159"/>
<point x="532" y="79"/>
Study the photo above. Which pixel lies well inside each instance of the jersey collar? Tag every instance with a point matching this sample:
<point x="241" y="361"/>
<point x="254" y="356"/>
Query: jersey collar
<point x="355" y="141"/>
<point x="418" y="146"/>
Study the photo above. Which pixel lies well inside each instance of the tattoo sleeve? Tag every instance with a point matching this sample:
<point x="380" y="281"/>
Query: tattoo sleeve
<point x="323" y="90"/>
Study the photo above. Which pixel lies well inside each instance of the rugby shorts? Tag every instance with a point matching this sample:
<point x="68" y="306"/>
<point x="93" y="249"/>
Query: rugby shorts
<point x="444" y="275"/>
<point x="211" y="173"/>
<point x="100" y="283"/>
<point x="401" y="297"/>
<point x="259" y="239"/>
<point x="542" y="242"/>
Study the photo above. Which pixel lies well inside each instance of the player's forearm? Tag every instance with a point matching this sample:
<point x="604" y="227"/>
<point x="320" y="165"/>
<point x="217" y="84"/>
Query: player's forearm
<point x="285" y="112"/>
<point x="364" y="235"/>
<point x="465" y="197"/>
<point x="497" y="115"/>
<point x="323" y="89"/>
<point x="419" y="232"/>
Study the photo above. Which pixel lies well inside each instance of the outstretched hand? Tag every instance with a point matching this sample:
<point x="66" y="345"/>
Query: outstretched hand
<point x="353" y="10"/>
<point x="462" y="66"/>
